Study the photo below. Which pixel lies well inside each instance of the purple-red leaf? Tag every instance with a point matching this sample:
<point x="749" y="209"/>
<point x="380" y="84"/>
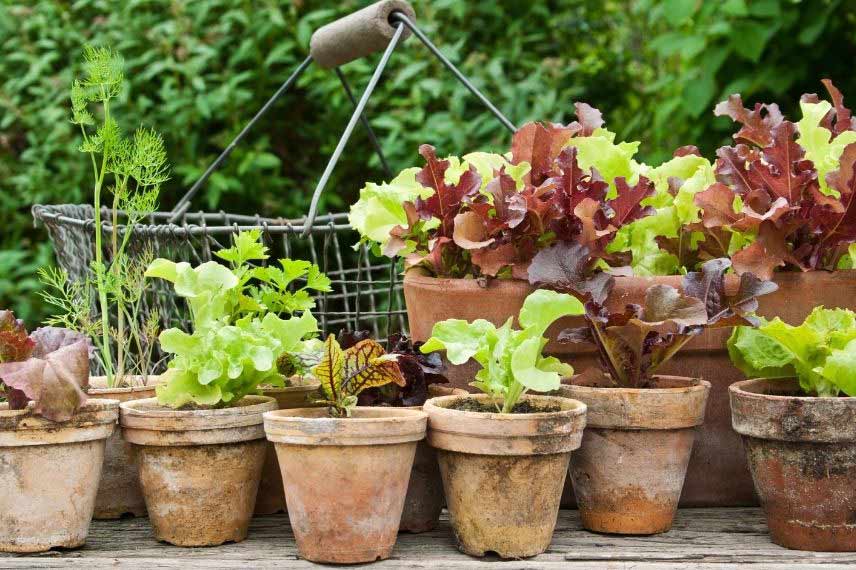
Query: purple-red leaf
<point x="757" y="124"/>
<point x="15" y="343"/>
<point x="569" y="268"/>
<point x="445" y="202"/>
<point x="723" y="310"/>
<point x="539" y="144"/>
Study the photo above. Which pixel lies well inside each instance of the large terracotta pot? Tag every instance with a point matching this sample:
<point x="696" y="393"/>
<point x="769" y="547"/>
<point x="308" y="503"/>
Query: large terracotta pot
<point x="271" y="497"/>
<point x="424" y="501"/>
<point x="629" y="471"/>
<point x="503" y="473"/>
<point x="119" y="493"/>
<point x="49" y="474"/>
<point x="345" y="479"/>
<point x="802" y="452"/>
<point x="199" y="469"/>
<point x="718" y="474"/>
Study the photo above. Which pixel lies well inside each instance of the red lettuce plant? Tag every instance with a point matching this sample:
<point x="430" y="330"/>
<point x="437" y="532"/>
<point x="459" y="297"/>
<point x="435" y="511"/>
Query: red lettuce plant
<point x="789" y="187"/>
<point x="633" y="344"/>
<point x="419" y="370"/>
<point x="491" y="215"/>
<point x="49" y="368"/>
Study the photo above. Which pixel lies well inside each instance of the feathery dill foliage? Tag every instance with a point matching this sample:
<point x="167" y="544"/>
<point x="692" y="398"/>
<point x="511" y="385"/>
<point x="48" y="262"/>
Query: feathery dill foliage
<point x="127" y="174"/>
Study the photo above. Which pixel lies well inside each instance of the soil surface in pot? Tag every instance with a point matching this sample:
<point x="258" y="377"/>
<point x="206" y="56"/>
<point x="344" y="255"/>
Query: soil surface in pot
<point x="524" y="407"/>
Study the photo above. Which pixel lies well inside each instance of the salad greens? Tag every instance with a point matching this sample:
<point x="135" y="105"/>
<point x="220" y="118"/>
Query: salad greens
<point x="239" y="339"/>
<point x="510" y="359"/>
<point x="49" y="367"/>
<point x="820" y="352"/>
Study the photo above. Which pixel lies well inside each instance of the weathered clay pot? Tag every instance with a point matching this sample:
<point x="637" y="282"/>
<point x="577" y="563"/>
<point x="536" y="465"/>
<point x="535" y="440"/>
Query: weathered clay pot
<point x="717" y="474"/>
<point x="271" y="497"/>
<point x="802" y="453"/>
<point x="503" y="473"/>
<point x="345" y="478"/>
<point x="199" y="469"/>
<point x="49" y="473"/>
<point x="425" y="500"/>
<point x="119" y="492"/>
<point x="630" y="468"/>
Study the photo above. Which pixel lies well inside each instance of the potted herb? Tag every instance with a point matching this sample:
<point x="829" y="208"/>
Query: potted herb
<point x="423" y="378"/>
<point x="284" y="288"/>
<point x="128" y="171"/>
<point x="629" y="470"/>
<point x="206" y="417"/>
<point x="797" y="417"/>
<point x="51" y="438"/>
<point x="345" y="468"/>
<point x="504" y="454"/>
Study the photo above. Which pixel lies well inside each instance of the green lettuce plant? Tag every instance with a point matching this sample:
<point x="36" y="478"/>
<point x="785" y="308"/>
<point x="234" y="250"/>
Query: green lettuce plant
<point x="128" y="171"/>
<point x="239" y="339"/>
<point x="820" y="352"/>
<point x="511" y="360"/>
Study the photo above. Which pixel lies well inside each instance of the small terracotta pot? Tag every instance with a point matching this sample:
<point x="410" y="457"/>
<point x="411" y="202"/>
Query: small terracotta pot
<point x="49" y="473"/>
<point x="630" y="469"/>
<point x="802" y="454"/>
<point x="119" y="493"/>
<point x="503" y="473"/>
<point x="271" y="497"/>
<point x="425" y="500"/>
<point x="345" y="478"/>
<point x="199" y="469"/>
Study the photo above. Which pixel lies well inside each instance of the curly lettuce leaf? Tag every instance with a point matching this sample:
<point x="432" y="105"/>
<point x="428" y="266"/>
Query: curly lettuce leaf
<point x="611" y="160"/>
<point x="820" y="146"/>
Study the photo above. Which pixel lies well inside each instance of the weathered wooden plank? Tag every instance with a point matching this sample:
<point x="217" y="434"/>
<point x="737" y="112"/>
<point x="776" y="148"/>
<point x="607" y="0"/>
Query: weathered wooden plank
<point x="712" y="539"/>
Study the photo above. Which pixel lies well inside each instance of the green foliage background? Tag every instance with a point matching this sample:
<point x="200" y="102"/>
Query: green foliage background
<point x="198" y="70"/>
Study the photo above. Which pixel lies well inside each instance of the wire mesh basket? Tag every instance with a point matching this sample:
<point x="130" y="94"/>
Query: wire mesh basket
<point x="366" y="293"/>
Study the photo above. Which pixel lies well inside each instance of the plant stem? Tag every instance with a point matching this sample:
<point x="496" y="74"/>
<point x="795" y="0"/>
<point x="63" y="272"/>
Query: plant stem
<point x="99" y="261"/>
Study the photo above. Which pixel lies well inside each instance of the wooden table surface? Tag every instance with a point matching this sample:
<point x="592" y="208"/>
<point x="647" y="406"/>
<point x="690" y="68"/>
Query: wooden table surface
<point x="709" y="539"/>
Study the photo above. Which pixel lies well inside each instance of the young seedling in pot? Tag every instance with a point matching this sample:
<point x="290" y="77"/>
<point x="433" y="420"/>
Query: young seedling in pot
<point x="52" y="438"/>
<point x="511" y="360"/>
<point x="798" y="409"/>
<point x="637" y="418"/>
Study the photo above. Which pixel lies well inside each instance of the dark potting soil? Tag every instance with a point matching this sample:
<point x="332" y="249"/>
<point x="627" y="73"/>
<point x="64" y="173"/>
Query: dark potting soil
<point x="524" y="407"/>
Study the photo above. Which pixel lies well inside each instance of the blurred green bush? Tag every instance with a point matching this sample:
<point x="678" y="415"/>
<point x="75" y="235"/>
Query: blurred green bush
<point x="199" y="70"/>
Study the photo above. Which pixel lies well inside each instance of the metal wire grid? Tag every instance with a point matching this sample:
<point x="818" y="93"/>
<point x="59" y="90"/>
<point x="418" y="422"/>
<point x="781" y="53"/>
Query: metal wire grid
<point x="365" y="294"/>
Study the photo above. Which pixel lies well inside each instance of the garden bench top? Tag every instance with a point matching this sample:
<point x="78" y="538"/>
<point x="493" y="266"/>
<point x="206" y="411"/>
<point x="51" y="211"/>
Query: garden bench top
<point x="709" y="539"/>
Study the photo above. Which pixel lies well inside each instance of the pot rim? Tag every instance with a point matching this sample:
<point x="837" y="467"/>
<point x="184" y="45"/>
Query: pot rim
<point x="696" y="384"/>
<point x="384" y="425"/>
<point x="96" y="419"/>
<point x="491" y="433"/>
<point x="791" y="418"/>
<point x="145" y="422"/>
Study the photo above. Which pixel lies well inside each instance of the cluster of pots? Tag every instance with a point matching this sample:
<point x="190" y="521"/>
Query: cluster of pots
<point x="351" y="484"/>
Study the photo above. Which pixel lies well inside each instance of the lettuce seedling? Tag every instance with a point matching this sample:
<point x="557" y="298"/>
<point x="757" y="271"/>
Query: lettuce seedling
<point x="419" y="371"/>
<point x="511" y="359"/>
<point x="49" y="368"/>
<point x="633" y="344"/>
<point x="239" y="340"/>
<point x="820" y="352"/>
<point x="345" y="373"/>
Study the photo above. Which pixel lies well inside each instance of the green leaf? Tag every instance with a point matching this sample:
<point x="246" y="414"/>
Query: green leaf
<point x="840" y="368"/>
<point x="179" y="387"/>
<point x="820" y="147"/>
<point x="677" y="12"/>
<point x="247" y="247"/>
<point x="524" y="367"/>
<point x="750" y="38"/>
<point x="543" y="307"/>
<point x="460" y="339"/>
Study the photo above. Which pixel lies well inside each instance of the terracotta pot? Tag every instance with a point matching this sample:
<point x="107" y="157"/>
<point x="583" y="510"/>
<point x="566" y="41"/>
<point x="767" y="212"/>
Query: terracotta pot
<point x="199" y="469"/>
<point x="271" y="497"/>
<point x="718" y="474"/>
<point x="503" y="473"/>
<point x="802" y="453"/>
<point x="425" y="500"/>
<point x="119" y="493"/>
<point x="629" y="470"/>
<point x="49" y="473"/>
<point x="345" y="478"/>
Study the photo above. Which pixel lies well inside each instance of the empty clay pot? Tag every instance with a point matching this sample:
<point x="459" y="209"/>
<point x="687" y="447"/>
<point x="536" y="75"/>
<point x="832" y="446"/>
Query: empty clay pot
<point x="345" y="478"/>
<point x="424" y="501"/>
<point x="629" y="470"/>
<point x="503" y="473"/>
<point x="119" y="492"/>
<point x="271" y="497"/>
<point x="49" y="473"/>
<point x="199" y="469"/>
<point x="717" y="473"/>
<point x="802" y="454"/>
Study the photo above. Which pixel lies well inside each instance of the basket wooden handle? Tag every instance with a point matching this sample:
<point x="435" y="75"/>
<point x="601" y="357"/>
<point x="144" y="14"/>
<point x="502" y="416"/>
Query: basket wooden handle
<point x="357" y="35"/>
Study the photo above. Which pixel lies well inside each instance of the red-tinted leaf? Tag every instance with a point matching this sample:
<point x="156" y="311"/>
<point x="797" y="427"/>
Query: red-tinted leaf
<point x="568" y="267"/>
<point x="470" y="231"/>
<point x="627" y="203"/>
<point x="783" y="172"/>
<point x="492" y="260"/>
<point x="445" y="202"/>
<point x="588" y="119"/>
<point x="757" y="124"/>
<point x="717" y="204"/>
<point x="723" y="310"/>
<point x="688" y="150"/>
<point x="731" y="167"/>
<point x="843" y="119"/>
<point x="15" y="343"/>
<point x="837" y="219"/>
<point x="539" y="144"/>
